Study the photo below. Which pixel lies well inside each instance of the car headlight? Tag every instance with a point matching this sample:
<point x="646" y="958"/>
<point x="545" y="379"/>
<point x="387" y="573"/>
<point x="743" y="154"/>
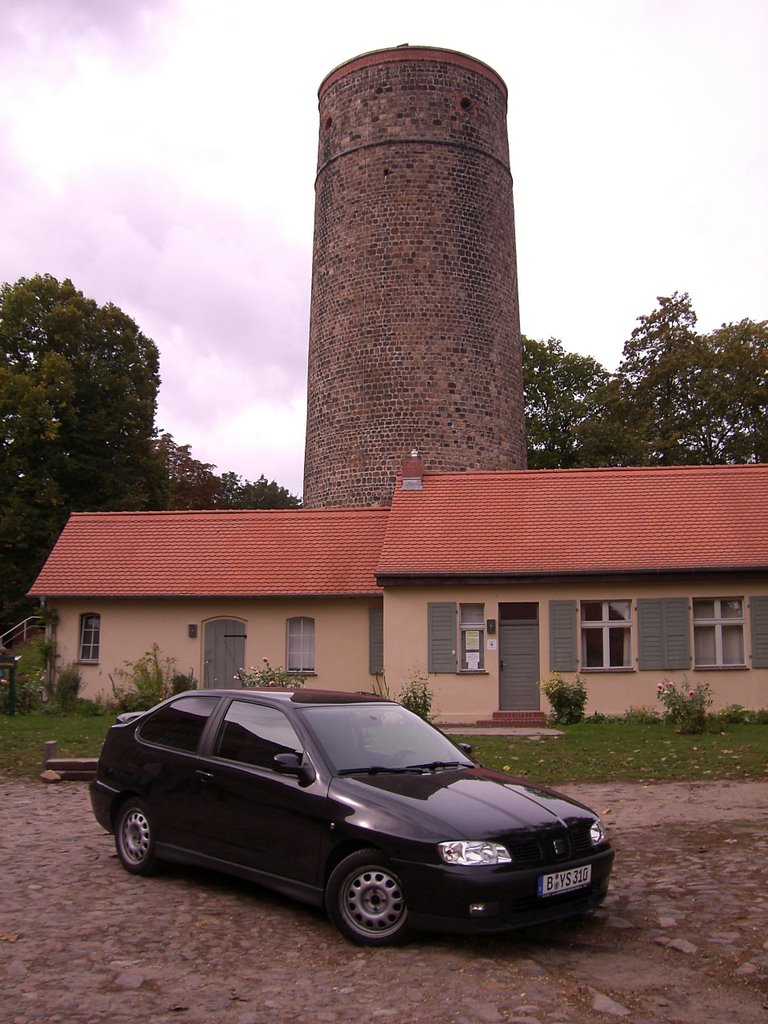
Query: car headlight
<point x="461" y="851"/>
<point x="596" y="833"/>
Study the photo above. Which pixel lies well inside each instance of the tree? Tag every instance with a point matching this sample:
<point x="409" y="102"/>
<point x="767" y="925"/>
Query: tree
<point x="194" y="485"/>
<point x="191" y="484"/>
<point x="561" y="390"/>
<point x="737" y="394"/>
<point x="234" y="492"/>
<point x="680" y="398"/>
<point x="78" y="388"/>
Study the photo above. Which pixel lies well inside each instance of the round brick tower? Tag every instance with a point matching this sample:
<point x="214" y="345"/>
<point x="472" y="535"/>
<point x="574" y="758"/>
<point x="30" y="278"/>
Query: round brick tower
<point x="414" y="327"/>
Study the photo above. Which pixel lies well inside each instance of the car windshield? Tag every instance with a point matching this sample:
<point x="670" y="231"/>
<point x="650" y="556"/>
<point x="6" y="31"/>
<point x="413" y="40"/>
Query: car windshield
<point x="380" y="738"/>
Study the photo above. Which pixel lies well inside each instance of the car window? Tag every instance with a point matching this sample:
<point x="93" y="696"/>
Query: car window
<point x="179" y="724"/>
<point x="253" y="734"/>
<point x="386" y="735"/>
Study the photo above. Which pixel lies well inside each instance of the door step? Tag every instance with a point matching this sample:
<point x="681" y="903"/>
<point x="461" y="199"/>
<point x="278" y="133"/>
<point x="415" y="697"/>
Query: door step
<point x="520" y="719"/>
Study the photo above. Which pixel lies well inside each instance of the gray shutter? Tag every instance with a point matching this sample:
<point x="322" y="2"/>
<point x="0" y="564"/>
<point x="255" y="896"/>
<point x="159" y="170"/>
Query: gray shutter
<point x="650" y="634"/>
<point x="677" y="633"/>
<point x="376" y="640"/>
<point x="758" y="608"/>
<point x="663" y="634"/>
<point x="562" y="636"/>
<point x="441" y="636"/>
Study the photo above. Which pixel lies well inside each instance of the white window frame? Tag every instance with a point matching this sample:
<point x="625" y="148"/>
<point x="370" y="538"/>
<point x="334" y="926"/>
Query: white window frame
<point x="89" y="641"/>
<point x="717" y="621"/>
<point x="473" y="634"/>
<point x="300" y="629"/>
<point x="607" y="625"/>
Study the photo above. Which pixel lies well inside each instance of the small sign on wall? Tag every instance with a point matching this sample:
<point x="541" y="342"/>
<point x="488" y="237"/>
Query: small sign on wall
<point x="491" y="645"/>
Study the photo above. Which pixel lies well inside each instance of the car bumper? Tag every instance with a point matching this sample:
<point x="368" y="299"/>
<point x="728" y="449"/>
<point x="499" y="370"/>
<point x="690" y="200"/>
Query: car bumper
<point x="477" y="900"/>
<point x="102" y="801"/>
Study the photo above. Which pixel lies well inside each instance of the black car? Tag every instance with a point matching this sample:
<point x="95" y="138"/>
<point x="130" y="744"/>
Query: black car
<point x="349" y="801"/>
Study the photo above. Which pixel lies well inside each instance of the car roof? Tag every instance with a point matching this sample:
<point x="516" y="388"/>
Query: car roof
<point x="297" y="696"/>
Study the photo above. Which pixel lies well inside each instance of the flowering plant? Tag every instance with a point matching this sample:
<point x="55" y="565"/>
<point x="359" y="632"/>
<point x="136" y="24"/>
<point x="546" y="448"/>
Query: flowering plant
<point x="686" y="708"/>
<point x="567" y="699"/>
<point x="268" y="675"/>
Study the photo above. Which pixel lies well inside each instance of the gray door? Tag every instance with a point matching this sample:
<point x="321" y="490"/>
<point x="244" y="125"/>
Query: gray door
<point x="519" y="657"/>
<point x="224" y="652"/>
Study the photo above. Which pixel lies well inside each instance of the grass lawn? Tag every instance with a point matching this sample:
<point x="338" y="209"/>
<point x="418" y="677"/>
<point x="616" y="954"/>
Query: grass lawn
<point x="618" y="751"/>
<point x="22" y="738"/>
<point x="585" y="752"/>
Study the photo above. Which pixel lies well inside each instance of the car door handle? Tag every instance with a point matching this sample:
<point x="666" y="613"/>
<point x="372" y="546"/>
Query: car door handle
<point x="204" y="776"/>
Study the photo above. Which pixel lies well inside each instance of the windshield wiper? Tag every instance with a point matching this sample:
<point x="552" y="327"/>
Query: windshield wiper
<point x="377" y="769"/>
<point x="432" y="766"/>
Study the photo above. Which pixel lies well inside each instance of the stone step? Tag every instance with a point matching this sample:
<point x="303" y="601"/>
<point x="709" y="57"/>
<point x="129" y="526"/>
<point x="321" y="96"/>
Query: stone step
<point x="71" y="774"/>
<point x="68" y="769"/>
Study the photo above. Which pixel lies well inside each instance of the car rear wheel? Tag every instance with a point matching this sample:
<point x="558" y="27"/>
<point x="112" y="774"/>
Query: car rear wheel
<point x="135" y="838"/>
<point x="366" y="902"/>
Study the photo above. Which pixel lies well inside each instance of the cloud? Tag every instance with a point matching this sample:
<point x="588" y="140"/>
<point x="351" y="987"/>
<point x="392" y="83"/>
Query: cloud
<point x="162" y="153"/>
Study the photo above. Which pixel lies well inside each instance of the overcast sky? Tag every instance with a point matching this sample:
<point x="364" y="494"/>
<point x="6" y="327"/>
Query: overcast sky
<point x="161" y="154"/>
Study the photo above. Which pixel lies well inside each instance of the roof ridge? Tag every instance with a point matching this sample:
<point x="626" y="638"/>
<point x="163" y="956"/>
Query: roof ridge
<point x="325" y="512"/>
<point x="612" y="470"/>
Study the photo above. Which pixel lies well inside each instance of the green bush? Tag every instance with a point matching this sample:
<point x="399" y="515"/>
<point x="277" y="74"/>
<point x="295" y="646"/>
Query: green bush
<point x="733" y="714"/>
<point x="26" y="695"/>
<point x="66" y="688"/>
<point x="417" y="697"/>
<point x="270" y="676"/>
<point x="567" y="699"/>
<point x="29" y="679"/>
<point x="146" y="681"/>
<point x="642" y="716"/>
<point x="90" y="708"/>
<point x="686" y="708"/>
<point x="181" y="682"/>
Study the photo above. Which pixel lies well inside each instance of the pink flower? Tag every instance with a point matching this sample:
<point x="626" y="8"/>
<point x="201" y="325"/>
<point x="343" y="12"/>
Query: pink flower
<point x="265" y="660"/>
<point x="691" y="693"/>
<point x="660" y="687"/>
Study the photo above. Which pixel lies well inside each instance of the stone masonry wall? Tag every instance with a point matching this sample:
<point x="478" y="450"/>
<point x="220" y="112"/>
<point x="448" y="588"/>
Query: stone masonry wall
<point x="414" y="336"/>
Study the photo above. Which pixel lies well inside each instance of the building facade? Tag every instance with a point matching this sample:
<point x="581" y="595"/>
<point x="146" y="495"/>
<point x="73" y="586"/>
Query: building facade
<point x="482" y="583"/>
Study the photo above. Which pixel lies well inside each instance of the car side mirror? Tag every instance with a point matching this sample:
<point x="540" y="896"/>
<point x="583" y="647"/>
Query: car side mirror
<point x="291" y="764"/>
<point x="465" y="748"/>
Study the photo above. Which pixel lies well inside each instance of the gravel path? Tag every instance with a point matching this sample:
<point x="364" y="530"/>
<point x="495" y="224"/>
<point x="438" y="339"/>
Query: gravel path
<point x="682" y="938"/>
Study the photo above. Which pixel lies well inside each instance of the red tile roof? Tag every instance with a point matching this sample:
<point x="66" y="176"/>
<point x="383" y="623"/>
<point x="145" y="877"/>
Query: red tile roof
<point x="202" y="554"/>
<point x="550" y="522"/>
<point x="523" y="523"/>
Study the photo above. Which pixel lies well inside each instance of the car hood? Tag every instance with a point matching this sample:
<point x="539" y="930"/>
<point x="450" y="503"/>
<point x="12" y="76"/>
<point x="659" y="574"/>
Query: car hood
<point x="469" y="803"/>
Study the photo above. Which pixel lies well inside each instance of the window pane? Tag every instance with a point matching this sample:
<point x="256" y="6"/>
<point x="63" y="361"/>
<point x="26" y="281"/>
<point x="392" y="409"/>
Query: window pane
<point x="592" y="611"/>
<point x="90" y="628"/>
<point x="301" y="644"/>
<point x="730" y="608"/>
<point x="619" y="647"/>
<point x="733" y="645"/>
<point x="618" y="610"/>
<point x="253" y="734"/>
<point x="593" y="648"/>
<point x="180" y="724"/>
<point x="703" y="609"/>
<point x="704" y="645"/>
<point x="472" y="614"/>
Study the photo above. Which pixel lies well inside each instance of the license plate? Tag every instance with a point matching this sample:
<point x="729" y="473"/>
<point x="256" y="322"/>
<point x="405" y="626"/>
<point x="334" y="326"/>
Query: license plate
<point x="565" y="881"/>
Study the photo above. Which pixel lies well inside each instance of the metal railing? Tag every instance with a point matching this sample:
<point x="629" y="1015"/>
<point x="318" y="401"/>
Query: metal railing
<point x="22" y="631"/>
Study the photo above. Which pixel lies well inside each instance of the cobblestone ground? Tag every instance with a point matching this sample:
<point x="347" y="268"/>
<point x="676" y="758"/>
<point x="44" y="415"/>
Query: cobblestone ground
<point x="682" y="938"/>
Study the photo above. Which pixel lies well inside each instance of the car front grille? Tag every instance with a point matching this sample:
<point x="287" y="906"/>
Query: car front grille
<point x="549" y="847"/>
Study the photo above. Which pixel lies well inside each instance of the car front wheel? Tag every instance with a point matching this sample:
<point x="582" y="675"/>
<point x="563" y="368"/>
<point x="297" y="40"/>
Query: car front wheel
<point x="135" y="838"/>
<point x="366" y="902"/>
